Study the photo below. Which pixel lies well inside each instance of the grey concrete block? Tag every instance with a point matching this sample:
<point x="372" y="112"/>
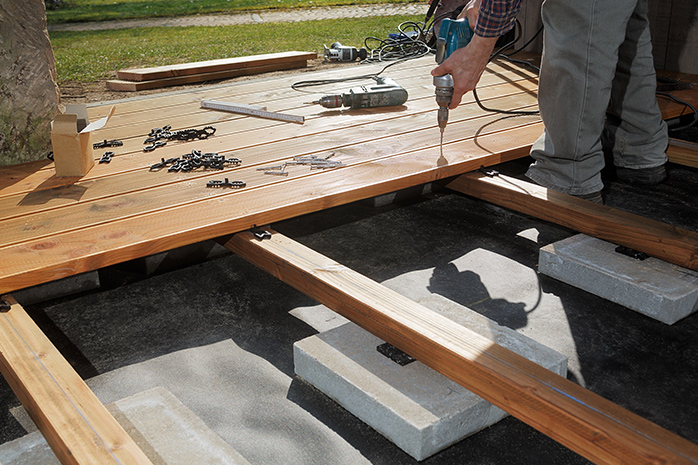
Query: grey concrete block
<point x="59" y="288"/>
<point x="653" y="287"/>
<point x="166" y="431"/>
<point x="418" y="409"/>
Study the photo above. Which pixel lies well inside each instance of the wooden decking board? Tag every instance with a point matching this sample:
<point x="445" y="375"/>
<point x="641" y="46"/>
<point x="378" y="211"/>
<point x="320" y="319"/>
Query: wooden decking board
<point x="278" y="84"/>
<point x="230" y="142"/>
<point x="669" y="243"/>
<point x="134" y="142"/>
<point x="262" y="91"/>
<point x="577" y="418"/>
<point x="683" y="152"/>
<point x="73" y="421"/>
<point x="106" y="244"/>
<point x="208" y="66"/>
<point x="132" y="86"/>
<point x="107" y="200"/>
<point x="275" y="99"/>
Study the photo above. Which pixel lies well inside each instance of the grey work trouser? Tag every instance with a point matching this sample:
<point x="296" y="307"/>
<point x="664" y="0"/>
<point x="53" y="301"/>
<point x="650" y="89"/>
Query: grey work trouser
<point x="597" y="57"/>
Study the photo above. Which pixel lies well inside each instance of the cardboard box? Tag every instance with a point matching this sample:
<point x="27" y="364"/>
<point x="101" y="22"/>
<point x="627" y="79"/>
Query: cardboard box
<point x="71" y="138"/>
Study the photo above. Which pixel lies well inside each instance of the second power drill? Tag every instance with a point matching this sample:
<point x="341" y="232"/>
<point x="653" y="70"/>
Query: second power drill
<point x="453" y="34"/>
<point x="385" y="93"/>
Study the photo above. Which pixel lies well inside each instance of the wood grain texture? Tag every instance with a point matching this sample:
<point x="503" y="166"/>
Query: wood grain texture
<point x="117" y="238"/>
<point x="55" y="227"/>
<point x="683" y="152"/>
<point x="581" y="420"/>
<point x="211" y="66"/>
<point x="669" y="243"/>
<point x="133" y="86"/>
<point x="73" y="421"/>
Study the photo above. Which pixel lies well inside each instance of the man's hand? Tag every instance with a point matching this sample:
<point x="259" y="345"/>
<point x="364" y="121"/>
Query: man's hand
<point x="470" y="11"/>
<point x="466" y="65"/>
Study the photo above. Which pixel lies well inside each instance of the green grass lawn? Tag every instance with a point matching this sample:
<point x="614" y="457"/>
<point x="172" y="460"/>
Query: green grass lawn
<point x="96" y="55"/>
<point x="106" y="10"/>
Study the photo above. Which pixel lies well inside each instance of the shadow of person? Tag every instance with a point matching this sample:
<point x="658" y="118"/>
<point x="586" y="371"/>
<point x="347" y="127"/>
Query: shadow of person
<point x="466" y="288"/>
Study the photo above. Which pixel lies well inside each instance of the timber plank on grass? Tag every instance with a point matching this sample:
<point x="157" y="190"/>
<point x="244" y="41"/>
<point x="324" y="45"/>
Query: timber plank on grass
<point x="577" y="418"/>
<point x="73" y="421"/>
<point x="669" y="243"/>
<point x="133" y="86"/>
<point x="211" y="66"/>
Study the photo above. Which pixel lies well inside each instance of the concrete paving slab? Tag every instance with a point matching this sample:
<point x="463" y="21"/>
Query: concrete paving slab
<point x="241" y="397"/>
<point x="418" y="409"/>
<point x="166" y="431"/>
<point x="653" y="287"/>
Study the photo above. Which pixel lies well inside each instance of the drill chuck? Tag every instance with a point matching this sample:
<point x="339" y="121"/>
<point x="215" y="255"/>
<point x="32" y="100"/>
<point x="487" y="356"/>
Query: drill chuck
<point x="331" y="101"/>
<point x="443" y="89"/>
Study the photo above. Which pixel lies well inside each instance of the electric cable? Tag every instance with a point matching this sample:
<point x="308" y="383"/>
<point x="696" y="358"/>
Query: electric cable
<point x="492" y="56"/>
<point x="321" y="82"/>
<point x="682" y="102"/>
<point x="396" y="50"/>
<point x="408" y="43"/>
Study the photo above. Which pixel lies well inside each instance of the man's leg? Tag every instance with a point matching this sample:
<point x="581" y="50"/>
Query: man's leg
<point x="635" y="133"/>
<point x="580" y="54"/>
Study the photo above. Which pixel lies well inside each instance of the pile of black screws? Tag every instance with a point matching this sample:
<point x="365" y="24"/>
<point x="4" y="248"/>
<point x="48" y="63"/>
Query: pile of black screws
<point x="107" y="143"/>
<point x="159" y="136"/>
<point x="194" y="160"/>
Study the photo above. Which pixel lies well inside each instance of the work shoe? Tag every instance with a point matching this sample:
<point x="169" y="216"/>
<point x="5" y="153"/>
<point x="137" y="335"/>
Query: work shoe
<point x="595" y="197"/>
<point x="644" y="176"/>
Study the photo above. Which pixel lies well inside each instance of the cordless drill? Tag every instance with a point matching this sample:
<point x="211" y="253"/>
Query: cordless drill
<point x="453" y="34"/>
<point x="386" y="92"/>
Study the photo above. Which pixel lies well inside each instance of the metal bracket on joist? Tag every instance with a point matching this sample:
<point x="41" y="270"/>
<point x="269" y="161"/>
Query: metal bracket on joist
<point x="259" y="233"/>
<point x="5" y="306"/>
<point x="490" y="173"/>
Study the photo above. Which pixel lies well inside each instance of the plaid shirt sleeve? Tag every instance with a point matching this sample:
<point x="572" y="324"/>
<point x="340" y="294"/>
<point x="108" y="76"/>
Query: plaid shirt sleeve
<point x="496" y="17"/>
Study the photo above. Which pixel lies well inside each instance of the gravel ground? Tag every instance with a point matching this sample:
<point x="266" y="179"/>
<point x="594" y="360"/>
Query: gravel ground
<point x="265" y="16"/>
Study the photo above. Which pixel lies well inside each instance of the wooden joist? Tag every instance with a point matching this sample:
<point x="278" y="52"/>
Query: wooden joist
<point x="683" y="153"/>
<point x="669" y="243"/>
<point x="189" y="73"/>
<point x="581" y="420"/>
<point x="74" y="422"/>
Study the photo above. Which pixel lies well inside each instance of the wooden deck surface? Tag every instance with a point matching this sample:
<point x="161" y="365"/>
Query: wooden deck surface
<point x="56" y="227"/>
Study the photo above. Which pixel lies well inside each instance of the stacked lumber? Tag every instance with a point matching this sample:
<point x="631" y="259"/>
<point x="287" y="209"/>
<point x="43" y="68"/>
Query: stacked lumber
<point x="188" y="73"/>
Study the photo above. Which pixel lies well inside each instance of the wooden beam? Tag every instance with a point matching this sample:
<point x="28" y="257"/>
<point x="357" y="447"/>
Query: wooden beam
<point x="132" y="86"/>
<point x="669" y="243"/>
<point x="74" y="422"/>
<point x="581" y="420"/>
<point x="683" y="152"/>
<point x="212" y="66"/>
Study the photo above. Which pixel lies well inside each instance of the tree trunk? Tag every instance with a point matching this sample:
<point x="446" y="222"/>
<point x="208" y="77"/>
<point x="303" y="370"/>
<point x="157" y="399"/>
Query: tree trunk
<point x="29" y="94"/>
